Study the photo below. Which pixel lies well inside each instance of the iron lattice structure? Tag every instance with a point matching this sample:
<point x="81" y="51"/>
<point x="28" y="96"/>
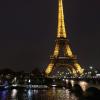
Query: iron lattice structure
<point x="63" y="55"/>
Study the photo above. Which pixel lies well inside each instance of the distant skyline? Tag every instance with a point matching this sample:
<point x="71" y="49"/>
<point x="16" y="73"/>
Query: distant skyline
<point x="28" y="32"/>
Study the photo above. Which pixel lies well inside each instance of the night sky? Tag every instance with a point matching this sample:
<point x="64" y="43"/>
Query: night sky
<point x="28" y="32"/>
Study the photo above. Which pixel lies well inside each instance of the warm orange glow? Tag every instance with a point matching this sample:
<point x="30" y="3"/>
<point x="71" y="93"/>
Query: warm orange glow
<point x="61" y="25"/>
<point x="78" y="68"/>
<point x="84" y="85"/>
<point x="56" y="51"/>
<point x="68" y="51"/>
<point x="74" y="72"/>
<point x="49" y="68"/>
<point x="62" y="50"/>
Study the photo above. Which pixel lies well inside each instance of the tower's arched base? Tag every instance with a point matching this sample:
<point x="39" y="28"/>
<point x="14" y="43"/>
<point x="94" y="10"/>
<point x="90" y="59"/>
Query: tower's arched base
<point x="64" y="71"/>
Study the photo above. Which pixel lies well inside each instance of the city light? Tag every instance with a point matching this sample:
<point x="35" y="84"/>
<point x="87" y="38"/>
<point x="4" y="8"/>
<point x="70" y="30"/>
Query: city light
<point x="83" y="85"/>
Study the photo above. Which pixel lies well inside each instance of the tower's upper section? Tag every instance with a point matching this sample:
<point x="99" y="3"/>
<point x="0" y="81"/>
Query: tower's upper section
<point x="61" y="32"/>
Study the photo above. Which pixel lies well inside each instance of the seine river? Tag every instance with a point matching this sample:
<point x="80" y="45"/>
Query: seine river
<point x="50" y="94"/>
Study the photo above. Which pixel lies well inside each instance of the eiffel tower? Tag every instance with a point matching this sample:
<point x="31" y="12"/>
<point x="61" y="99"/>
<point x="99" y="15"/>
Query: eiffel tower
<point x="63" y="55"/>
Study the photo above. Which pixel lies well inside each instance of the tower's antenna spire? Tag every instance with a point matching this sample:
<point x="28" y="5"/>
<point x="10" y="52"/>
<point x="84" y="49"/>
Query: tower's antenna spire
<point x="61" y="32"/>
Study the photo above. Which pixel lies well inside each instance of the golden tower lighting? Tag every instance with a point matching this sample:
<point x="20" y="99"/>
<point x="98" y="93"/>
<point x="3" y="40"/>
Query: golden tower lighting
<point x="63" y="55"/>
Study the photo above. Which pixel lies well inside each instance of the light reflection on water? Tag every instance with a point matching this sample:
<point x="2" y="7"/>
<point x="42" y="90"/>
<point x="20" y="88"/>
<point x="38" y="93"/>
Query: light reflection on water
<point x="51" y="94"/>
<point x="14" y="94"/>
<point x="3" y="95"/>
<point x="84" y="85"/>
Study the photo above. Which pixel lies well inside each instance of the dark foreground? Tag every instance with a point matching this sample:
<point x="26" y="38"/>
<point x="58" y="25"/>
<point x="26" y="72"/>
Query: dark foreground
<point x="51" y="94"/>
<point x="81" y="91"/>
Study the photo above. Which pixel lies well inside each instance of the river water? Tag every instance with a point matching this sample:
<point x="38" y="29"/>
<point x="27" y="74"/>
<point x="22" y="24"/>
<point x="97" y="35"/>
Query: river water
<point x="50" y="94"/>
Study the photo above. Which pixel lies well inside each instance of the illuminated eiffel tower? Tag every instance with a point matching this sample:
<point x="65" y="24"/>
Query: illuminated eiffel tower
<point x="63" y="55"/>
